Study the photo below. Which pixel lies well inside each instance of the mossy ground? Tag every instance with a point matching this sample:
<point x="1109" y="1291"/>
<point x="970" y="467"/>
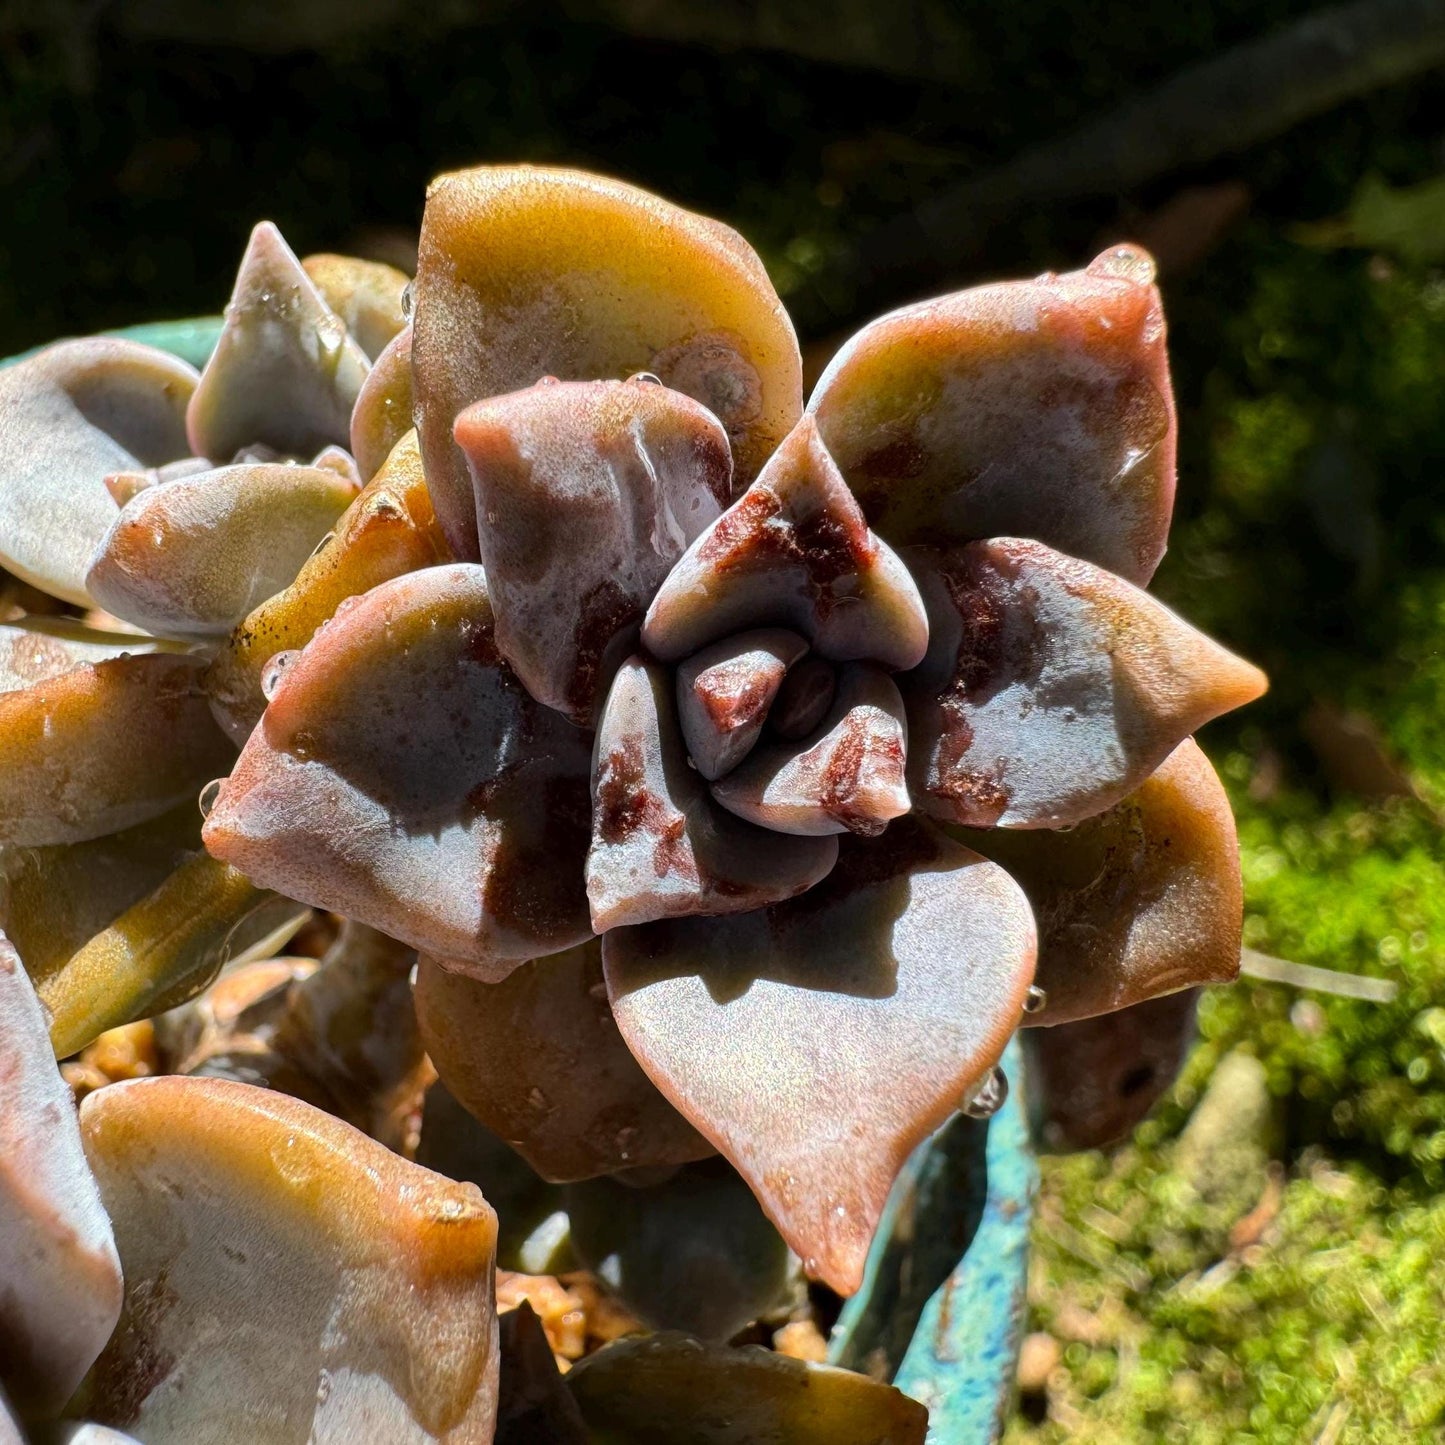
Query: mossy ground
<point x="1310" y="536"/>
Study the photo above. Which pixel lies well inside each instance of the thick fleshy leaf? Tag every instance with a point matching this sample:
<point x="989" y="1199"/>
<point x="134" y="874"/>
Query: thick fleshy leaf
<point x="285" y="372"/>
<point x="537" y="1058"/>
<point x="693" y="1252"/>
<point x="587" y="493"/>
<point x="818" y="1041"/>
<point x="1138" y="901"/>
<point x="661" y="848"/>
<point x="382" y="414"/>
<point x="59" y="1276"/>
<point x="191" y="558"/>
<point x="1093" y="1080"/>
<point x="845" y="777"/>
<point x="1030" y="408"/>
<point x="105" y="747"/>
<point x="1051" y="688"/>
<point x="402" y="776"/>
<point x="534" y="1407"/>
<point x="366" y="295"/>
<point x="54" y="900"/>
<point x="286" y="1277"/>
<point x="160" y="951"/>
<point x="527" y="272"/>
<point x="724" y="693"/>
<point x="454" y="1143"/>
<point x="68" y="418"/>
<point x="668" y="1389"/>
<point x="794" y="551"/>
<point x="387" y="531"/>
<point x="36" y="649"/>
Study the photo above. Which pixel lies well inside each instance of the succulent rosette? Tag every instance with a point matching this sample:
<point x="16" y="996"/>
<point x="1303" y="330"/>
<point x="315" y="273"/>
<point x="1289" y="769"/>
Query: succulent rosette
<point x="742" y="773"/>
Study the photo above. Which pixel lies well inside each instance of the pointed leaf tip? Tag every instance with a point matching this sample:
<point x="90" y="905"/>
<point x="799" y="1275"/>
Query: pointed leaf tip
<point x="1037" y="408"/>
<point x="1051" y="688"/>
<point x="894" y="985"/>
<point x="795" y="551"/>
<point x="285" y="372"/>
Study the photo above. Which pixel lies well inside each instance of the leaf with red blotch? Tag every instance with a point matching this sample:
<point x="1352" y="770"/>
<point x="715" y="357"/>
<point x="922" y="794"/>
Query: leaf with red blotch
<point x="526" y="272"/>
<point x="847" y="775"/>
<point x="1051" y="688"/>
<point x="818" y="1041"/>
<point x="661" y="847"/>
<point x="587" y="492"/>
<point x="402" y="776"/>
<point x="1035" y="408"/>
<point x="537" y="1058"/>
<point x="1134" y="902"/>
<point x="792" y="551"/>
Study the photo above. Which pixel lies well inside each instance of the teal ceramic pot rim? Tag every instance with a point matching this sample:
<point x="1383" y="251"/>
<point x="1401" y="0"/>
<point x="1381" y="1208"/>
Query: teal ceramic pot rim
<point x="192" y="339"/>
<point x="944" y="1297"/>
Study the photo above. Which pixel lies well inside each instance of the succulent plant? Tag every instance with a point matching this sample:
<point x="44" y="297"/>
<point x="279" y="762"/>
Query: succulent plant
<point x="736" y="777"/>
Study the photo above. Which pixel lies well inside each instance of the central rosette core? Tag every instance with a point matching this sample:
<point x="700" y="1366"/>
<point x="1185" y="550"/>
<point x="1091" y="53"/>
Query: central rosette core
<point x="790" y="740"/>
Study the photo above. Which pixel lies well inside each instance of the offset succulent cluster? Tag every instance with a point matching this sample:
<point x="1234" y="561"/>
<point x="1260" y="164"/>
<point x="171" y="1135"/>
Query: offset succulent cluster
<point x="735" y="775"/>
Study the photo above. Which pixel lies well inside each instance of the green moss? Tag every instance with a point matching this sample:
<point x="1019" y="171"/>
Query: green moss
<point x="1313" y="541"/>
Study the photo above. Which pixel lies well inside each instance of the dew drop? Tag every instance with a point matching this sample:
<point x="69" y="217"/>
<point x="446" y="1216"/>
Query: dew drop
<point x="990" y="1096"/>
<point x="330" y="332"/>
<point x="208" y="796"/>
<point x="546" y="381"/>
<point x="645" y="378"/>
<point x="1128" y="263"/>
<point x="275" y="670"/>
<point x="408" y="299"/>
<point x="1035" y="999"/>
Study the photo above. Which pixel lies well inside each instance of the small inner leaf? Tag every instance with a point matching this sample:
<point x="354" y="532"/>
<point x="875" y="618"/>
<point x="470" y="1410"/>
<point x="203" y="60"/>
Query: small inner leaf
<point x="661" y="848"/>
<point x="846" y="776"/>
<point x="794" y="550"/>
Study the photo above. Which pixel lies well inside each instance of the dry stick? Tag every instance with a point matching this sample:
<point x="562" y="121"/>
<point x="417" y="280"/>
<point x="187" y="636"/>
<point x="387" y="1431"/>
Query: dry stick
<point x="1320" y="980"/>
<point x="1248" y="95"/>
